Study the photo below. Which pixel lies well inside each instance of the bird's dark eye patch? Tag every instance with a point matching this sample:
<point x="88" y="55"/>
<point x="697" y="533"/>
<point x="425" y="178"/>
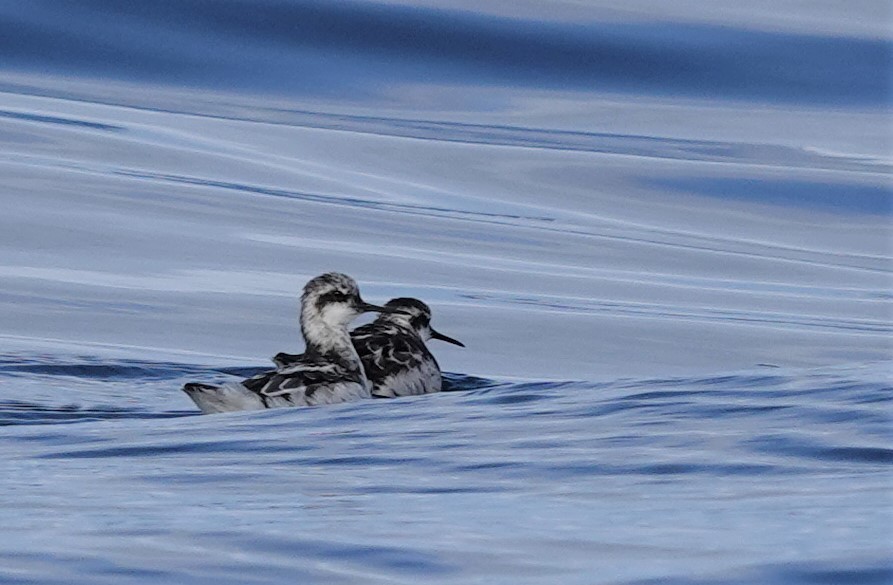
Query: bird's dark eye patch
<point x="331" y="297"/>
<point x="419" y="321"/>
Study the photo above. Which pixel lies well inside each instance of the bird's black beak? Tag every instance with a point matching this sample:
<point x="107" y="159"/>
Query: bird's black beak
<point x="366" y="307"/>
<point x="442" y="337"/>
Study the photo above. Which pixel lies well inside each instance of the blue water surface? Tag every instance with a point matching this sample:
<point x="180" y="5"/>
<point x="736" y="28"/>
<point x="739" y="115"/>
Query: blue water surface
<point x="662" y="230"/>
<point x="771" y="476"/>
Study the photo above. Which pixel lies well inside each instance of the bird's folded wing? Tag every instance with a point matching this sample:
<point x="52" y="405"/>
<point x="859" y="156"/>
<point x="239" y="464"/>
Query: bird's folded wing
<point x="257" y="383"/>
<point x="384" y="352"/>
<point x="300" y="377"/>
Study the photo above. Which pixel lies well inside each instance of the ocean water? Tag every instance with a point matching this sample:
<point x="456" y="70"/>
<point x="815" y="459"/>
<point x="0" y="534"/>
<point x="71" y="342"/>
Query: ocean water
<point x="662" y="229"/>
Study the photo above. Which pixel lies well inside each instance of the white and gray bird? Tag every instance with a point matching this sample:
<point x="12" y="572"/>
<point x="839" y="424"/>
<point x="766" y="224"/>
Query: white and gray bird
<point x="392" y="349"/>
<point x="328" y="371"/>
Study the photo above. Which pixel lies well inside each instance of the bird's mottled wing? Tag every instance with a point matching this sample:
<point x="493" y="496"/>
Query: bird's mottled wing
<point x="257" y="383"/>
<point x="301" y="376"/>
<point x="386" y="349"/>
<point x="304" y="378"/>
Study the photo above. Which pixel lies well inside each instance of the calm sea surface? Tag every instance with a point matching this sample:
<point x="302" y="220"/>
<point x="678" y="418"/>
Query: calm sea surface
<point x="662" y="229"/>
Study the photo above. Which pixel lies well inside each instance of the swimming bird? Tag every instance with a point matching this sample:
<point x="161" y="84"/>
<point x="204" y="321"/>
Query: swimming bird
<point x="392" y="349"/>
<point x="328" y="371"/>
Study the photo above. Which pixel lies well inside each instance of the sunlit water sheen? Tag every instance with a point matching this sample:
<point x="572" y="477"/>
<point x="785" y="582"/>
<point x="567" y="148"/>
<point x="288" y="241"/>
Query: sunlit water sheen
<point x="662" y="231"/>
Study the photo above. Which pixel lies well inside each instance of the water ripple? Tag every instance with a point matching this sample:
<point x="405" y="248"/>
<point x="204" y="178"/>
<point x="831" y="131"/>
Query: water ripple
<point x="179" y="40"/>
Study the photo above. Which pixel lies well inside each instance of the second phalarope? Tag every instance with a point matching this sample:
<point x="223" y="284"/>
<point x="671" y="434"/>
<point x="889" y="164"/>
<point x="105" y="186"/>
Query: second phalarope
<point x="392" y="349"/>
<point x="329" y="370"/>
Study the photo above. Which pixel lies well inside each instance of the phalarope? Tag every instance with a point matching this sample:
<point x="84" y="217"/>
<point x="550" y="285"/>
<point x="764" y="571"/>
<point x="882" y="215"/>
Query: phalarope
<point x="392" y="349"/>
<point x="328" y="371"/>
